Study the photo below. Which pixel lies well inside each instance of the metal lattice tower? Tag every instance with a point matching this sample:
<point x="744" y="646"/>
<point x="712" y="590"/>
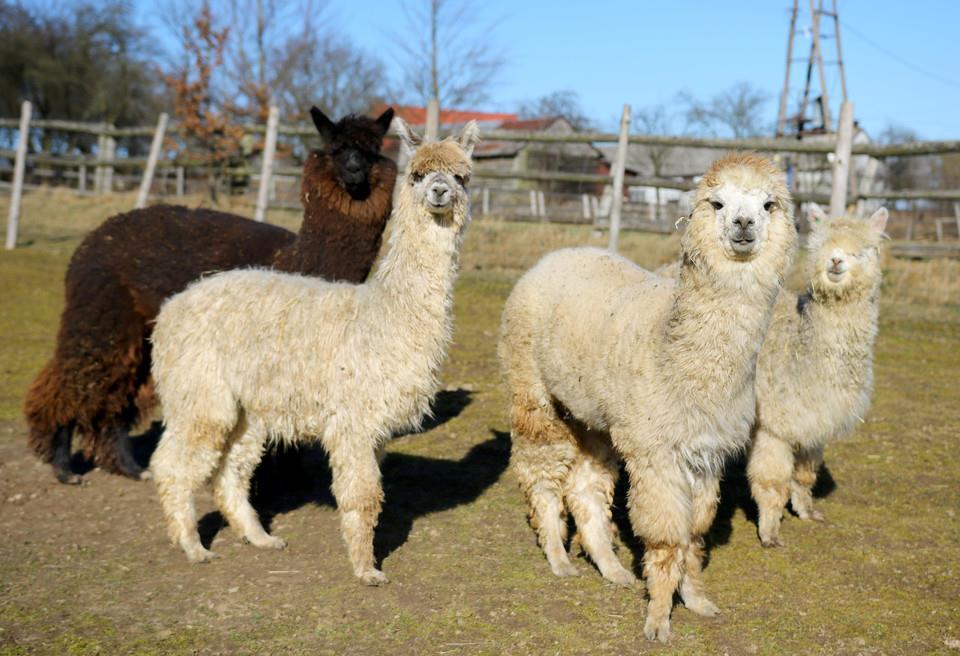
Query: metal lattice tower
<point x="797" y="124"/>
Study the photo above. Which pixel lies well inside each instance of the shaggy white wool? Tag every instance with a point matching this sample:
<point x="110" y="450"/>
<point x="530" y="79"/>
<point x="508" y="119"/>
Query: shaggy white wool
<point x="600" y="354"/>
<point x="815" y="372"/>
<point x="246" y="356"/>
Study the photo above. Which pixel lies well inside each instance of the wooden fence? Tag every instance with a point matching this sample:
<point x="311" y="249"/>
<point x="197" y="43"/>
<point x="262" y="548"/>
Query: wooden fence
<point x="106" y="162"/>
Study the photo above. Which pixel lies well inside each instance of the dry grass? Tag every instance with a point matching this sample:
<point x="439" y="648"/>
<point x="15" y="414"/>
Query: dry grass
<point x="89" y="570"/>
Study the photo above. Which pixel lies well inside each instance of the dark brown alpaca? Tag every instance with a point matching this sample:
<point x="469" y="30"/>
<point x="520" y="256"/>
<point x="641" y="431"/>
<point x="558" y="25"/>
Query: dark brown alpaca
<point x="98" y="379"/>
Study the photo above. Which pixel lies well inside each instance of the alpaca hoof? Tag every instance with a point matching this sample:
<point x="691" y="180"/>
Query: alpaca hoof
<point x="657" y="629"/>
<point x="374" y="577"/>
<point x="622" y="577"/>
<point x="200" y="555"/>
<point x="564" y="569"/>
<point x="267" y="542"/>
<point x="68" y="477"/>
<point x="813" y="516"/>
<point x="702" y="607"/>
<point x="770" y="542"/>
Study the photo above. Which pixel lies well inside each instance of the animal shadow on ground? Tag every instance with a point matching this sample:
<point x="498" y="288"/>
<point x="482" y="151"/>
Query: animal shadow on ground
<point x="414" y="486"/>
<point x="734" y="494"/>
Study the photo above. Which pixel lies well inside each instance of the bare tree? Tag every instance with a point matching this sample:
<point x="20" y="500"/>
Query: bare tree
<point x="565" y="103"/>
<point x="738" y="111"/>
<point x="655" y="119"/>
<point x="329" y="72"/>
<point x="447" y="52"/>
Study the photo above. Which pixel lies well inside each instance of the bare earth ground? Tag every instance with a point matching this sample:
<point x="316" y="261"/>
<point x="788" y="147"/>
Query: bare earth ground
<point x="88" y="569"/>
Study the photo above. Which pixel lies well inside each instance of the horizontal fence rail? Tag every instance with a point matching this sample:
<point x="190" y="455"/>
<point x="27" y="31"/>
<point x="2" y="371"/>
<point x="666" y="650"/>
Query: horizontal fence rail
<point x="99" y="168"/>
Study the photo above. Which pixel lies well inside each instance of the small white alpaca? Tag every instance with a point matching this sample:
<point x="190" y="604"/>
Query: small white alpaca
<point x="244" y="357"/>
<point x="604" y="359"/>
<point x="815" y="371"/>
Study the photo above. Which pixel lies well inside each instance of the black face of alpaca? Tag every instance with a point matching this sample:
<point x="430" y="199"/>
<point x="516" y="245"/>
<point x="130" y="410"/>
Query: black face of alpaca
<point x="353" y="145"/>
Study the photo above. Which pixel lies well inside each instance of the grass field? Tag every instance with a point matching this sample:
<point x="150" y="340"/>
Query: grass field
<point x="87" y="570"/>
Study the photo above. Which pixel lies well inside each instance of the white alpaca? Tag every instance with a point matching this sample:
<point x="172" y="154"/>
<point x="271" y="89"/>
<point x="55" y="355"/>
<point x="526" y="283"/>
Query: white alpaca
<point x="815" y="371"/>
<point x="244" y="357"/>
<point x="605" y="359"/>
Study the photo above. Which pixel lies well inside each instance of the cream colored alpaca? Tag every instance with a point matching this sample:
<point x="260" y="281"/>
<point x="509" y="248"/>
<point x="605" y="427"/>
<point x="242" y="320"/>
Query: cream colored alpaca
<point x="605" y="359"/>
<point x="244" y="357"/>
<point x="815" y="371"/>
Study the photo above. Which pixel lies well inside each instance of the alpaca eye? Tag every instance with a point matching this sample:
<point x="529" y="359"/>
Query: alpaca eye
<point x="768" y="206"/>
<point x="460" y="180"/>
<point x="717" y="205"/>
<point x="417" y="177"/>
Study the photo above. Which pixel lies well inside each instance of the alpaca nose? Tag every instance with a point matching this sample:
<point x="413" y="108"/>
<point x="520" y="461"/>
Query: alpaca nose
<point x="835" y="262"/>
<point x="440" y="193"/>
<point x="743" y="223"/>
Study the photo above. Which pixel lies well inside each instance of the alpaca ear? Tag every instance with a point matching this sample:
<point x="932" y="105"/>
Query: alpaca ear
<point x="410" y="139"/>
<point x="469" y="137"/>
<point x="878" y="221"/>
<point x="816" y="217"/>
<point x="384" y="120"/>
<point x="325" y="126"/>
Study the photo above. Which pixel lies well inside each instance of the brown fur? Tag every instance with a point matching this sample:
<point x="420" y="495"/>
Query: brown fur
<point x="97" y="381"/>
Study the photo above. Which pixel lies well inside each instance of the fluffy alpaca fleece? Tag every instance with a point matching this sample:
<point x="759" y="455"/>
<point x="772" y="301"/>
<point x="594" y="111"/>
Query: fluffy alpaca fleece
<point x="606" y="360"/>
<point x="815" y="371"/>
<point x="244" y="357"/>
<point x="97" y="381"/>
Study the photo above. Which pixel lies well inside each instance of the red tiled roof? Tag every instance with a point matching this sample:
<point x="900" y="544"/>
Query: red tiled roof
<point x="418" y="115"/>
<point x="531" y="124"/>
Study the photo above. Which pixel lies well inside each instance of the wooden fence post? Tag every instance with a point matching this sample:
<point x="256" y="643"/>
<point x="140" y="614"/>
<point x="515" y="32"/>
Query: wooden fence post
<point x="620" y="164"/>
<point x="82" y="179"/>
<point x="585" y="203"/>
<point x="269" y="149"/>
<point x="841" y="161"/>
<point x="533" y="203"/>
<point x="542" y="205"/>
<point x="111" y="154"/>
<point x="485" y="201"/>
<point x="180" y="181"/>
<point x="155" y="146"/>
<point x="433" y="120"/>
<point x="13" y="221"/>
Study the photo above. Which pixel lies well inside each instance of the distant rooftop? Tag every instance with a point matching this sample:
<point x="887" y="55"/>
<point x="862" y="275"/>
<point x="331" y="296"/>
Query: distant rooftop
<point x="418" y="115"/>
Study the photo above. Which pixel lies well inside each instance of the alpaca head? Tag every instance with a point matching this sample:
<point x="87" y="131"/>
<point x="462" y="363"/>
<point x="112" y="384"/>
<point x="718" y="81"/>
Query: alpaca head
<point x="845" y="254"/>
<point x="740" y="204"/>
<point x="438" y="173"/>
<point x="353" y="146"/>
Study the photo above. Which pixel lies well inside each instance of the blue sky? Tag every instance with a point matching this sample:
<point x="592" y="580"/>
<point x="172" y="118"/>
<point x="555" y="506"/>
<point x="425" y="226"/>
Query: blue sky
<point x="902" y="58"/>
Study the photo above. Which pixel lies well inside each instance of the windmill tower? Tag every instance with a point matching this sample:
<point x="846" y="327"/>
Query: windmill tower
<point x="804" y="121"/>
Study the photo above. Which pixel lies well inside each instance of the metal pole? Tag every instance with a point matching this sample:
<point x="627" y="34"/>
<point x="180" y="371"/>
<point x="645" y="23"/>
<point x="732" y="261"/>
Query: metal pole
<point x="152" y="161"/>
<point x="782" y="114"/>
<point x="13" y="221"/>
<point x="619" y="166"/>
<point x="824" y="100"/>
<point x="269" y="149"/>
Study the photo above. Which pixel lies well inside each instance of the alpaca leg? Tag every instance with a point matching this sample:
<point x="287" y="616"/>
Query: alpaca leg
<point x="182" y="463"/>
<point x="126" y="463"/>
<point x="61" y="456"/>
<point x="231" y="489"/>
<point x="589" y="494"/>
<point x="706" y="494"/>
<point x="359" y="494"/>
<point x="805" y="470"/>
<point x="543" y="452"/>
<point x="769" y="470"/>
<point x="660" y="506"/>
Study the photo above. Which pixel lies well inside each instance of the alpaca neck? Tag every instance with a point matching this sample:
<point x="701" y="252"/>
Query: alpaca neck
<point x="844" y="328"/>
<point x="340" y="235"/>
<point x="415" y="278"/>
<point x="715" y="327"/>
